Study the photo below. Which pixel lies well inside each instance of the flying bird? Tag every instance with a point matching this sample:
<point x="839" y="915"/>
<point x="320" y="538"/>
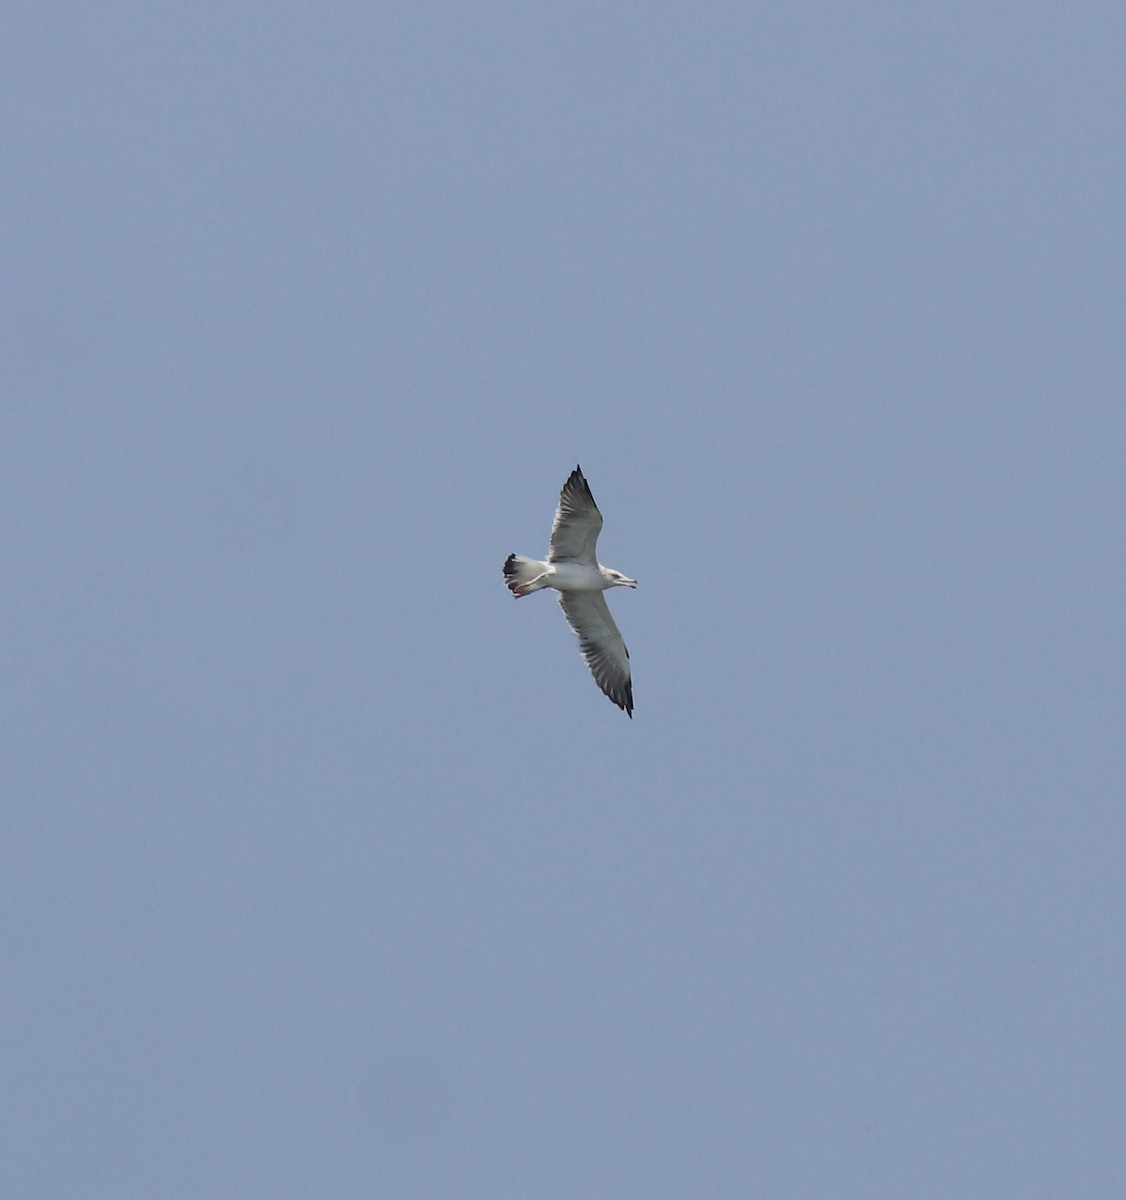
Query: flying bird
<point x="580" y="579"/>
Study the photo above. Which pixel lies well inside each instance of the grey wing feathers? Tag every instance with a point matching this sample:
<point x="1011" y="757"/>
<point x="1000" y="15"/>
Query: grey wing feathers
<point x="601" y="645"/>
<point x="577" y="521"/>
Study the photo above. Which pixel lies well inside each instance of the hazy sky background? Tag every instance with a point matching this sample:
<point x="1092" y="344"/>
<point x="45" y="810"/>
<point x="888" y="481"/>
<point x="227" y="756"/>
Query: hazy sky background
<point x="327" y="871"/>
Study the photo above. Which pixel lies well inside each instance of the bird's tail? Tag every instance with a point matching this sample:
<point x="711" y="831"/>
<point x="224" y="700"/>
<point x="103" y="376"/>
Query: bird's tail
<point x="522" y="575"/>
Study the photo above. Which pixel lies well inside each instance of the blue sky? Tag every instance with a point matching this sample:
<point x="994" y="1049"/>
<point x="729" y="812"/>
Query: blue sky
<point x="326" y="869"/>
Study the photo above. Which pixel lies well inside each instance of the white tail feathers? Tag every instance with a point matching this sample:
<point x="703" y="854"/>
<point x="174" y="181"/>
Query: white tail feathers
<point x="520" y="574"/>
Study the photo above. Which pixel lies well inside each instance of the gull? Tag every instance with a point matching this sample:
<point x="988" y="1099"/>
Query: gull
<point x="580" y="579"/>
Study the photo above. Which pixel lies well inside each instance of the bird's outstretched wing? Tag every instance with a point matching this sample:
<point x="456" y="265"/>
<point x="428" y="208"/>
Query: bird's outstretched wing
<point x="577" y="523"/>
<point x="601" y="645"/>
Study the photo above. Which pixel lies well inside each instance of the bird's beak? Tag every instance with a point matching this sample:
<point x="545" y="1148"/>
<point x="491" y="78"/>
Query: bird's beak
<point x="631" y="583"/>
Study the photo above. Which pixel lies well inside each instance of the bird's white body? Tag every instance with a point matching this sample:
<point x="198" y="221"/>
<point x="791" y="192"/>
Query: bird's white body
<point x="571" y="576"/>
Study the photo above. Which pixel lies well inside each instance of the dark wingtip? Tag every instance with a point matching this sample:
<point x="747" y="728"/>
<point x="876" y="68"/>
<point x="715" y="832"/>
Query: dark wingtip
<point x="578" y="481"/>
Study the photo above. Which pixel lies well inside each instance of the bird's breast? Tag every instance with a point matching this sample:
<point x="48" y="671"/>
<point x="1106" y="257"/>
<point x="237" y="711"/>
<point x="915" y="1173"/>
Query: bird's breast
<point x="577" y="577"/>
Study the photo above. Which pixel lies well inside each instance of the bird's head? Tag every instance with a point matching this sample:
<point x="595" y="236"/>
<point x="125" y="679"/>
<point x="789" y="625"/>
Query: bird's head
<point x="617" y="579"/>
